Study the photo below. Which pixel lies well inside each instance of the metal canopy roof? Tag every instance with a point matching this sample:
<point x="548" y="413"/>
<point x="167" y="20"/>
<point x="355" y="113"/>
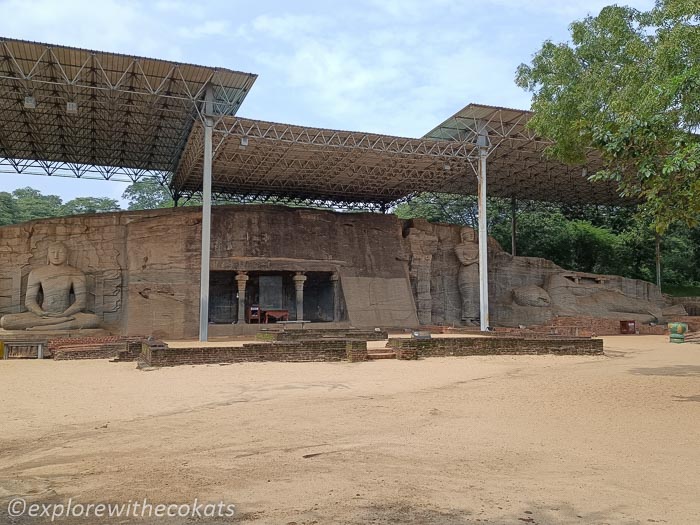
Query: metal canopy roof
<point x="282" y="162"/>
<point x="517" y="166"/>
<point x="76" y="112"/>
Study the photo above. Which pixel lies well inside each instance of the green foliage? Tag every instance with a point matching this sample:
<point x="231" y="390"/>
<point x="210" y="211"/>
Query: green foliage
<point x="680" y="290"/>
<point x="147" y="195"/>
<point x="26" y="204"/>
<point x="32" y="204"/>
<point x="628" y="85"/>
<point x="81" y="205"/>
<point x="438" y="207"/>
<point x="8" y="209"/>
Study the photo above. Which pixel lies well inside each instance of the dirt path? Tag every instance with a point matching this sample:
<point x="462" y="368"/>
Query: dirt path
<point x="530" y="439"/>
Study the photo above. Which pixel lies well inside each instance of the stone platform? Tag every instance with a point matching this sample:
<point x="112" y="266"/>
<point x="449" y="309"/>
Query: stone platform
<point x="236" y="330"/>
<point x="39" y="335"/>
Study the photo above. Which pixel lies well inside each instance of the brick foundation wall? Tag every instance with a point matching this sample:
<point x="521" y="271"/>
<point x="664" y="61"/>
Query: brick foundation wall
<point x="466" y="346"/>
<point x="159" y="354"/>
<point x="406" y="354"/>
<point x="563" y="327"/>
<point x="89" y="351"/>
<point x="65" y="342"/>
<point x="104" y="347"/>
<point x="590" y="326"/>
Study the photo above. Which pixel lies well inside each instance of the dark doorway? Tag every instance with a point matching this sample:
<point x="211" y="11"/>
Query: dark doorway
<point x="276" y="290"/>
<point x="223" y="300"/>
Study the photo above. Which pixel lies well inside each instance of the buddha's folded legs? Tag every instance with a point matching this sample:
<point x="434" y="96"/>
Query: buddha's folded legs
<point x="30" y="321"/>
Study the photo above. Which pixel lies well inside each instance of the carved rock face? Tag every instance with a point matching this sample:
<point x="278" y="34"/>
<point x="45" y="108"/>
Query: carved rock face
<point x="531" y="296"/>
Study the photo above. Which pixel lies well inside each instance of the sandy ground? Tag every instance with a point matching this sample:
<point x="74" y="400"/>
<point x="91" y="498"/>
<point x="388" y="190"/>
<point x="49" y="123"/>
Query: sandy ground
<point x="536" y="439"/>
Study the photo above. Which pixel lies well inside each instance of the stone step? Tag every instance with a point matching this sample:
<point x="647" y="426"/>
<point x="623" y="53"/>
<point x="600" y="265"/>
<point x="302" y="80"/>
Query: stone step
<point x="692" y="337"/>
<point x="381" y="355"/>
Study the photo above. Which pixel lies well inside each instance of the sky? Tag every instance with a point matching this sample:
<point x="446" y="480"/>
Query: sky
<point x="396" y="67"/>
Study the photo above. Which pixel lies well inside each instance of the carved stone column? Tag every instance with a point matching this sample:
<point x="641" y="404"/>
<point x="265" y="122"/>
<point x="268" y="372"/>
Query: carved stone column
<point x="422" y="246"/>
<point x="335" y="279"/>
<point x="241" y="280"/>
<point x="299" y="280"/>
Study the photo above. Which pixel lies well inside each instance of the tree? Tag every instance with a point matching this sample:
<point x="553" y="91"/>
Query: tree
<point x="147" y="194"/>
<point x="82" y="205"/>
<point x="439" y="207"/>
<point x="32" y="204"/>
<point x="628" y="85"/>
<point x="8" y="209"/>
<point x="453" y="209"/>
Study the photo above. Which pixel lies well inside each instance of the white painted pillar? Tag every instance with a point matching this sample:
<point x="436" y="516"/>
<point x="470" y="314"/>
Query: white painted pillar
<point x="206" y="216"/>
<point x="482" y="143"/>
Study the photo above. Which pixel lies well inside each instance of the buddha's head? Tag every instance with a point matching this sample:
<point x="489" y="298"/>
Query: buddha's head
<point x="467" y="234"/>
<point x="58" y="253"/>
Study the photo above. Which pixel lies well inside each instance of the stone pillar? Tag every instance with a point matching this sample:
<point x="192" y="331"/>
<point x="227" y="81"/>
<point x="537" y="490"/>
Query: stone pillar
<point x="241" y="280"/>
<point x="422" y="245"/>
<point x="335" y="279"/>
<point x="299" y="280"/>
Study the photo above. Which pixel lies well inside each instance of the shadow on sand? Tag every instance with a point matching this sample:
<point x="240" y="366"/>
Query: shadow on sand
<point x="675" y="370"/>
<point x="687" y="398"/>
<point x="561" y="514"/>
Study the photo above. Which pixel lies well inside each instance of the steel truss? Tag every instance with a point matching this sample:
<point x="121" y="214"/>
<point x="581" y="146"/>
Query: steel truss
<point x="254" y="157"/>
<point x="258" y="161"/>
<point x="295" y="202"/>
<point x="517" y="162"/>
<point x="88" y="114"/>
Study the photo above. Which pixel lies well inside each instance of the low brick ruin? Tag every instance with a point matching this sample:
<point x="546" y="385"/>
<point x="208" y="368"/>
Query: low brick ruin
<point x="157" y="354"/>
<point x="468" y="346"/>
<point x="107" y="347"/>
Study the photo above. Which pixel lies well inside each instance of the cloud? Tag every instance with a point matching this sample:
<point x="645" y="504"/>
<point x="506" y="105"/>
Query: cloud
<point x="398" y="77"/>
<point x="113" y="26"/>
<point x="288" y="27"/>
<point x="205" y="29"/>
<point x="568" y="9"/>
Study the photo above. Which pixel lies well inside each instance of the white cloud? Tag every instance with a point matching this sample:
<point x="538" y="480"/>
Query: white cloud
<point x="288" y="27"/>
<point x="110" y="25"/>
<point x="205" y="29"/>
<point x="568" y="9"/>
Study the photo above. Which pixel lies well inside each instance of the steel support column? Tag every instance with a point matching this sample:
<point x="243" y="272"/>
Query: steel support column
<point x="206" y="216"/>
<point x="513" y="225"/>
<point x="483" y="143"/>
